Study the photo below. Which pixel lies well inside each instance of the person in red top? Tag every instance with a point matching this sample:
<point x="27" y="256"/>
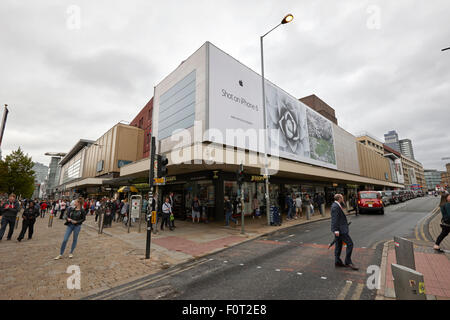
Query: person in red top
<point x="43" y="209"/>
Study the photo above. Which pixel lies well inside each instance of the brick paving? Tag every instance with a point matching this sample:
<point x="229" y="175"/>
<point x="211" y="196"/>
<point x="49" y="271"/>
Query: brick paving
<point x="434" y="267"/>
<point x="29" y="271"/>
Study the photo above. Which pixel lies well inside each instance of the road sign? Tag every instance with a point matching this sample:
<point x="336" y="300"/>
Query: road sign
<point x="135" y="206"/>
<point x="159" y="181"/>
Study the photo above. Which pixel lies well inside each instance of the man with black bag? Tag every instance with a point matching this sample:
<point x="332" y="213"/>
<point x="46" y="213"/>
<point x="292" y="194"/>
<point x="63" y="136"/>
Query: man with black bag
<point x="339" y="226"/>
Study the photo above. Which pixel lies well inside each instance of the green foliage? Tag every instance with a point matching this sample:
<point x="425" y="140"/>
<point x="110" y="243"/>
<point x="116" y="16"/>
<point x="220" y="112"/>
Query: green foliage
<point x="16" y="174"/>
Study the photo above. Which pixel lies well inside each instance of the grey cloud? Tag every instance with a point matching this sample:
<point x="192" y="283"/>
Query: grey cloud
<point x="58" y="81"/>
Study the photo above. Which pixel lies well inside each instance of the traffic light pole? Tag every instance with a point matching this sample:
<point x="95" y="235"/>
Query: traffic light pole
<point x="150" y="196"/>
<point x="242" y="210"/>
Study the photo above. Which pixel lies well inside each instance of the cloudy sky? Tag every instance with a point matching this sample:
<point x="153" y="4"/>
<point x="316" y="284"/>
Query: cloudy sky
<point x="377" y="63"/>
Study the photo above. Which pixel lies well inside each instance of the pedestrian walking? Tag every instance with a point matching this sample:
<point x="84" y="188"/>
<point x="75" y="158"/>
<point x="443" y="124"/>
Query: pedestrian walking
<point x="124" y="211"/>
<point x="8" y="213"/>
<point x="166" y="212"/>
<point x="196" y="209"/>
<point x="298" y="205"/>
<point x="339" y="226"/>
<point x="63" y="205"/>
<point x="29" y="218"/>
<point x="445" y="222"/>
<point x="255" y="207"/>
<point x="290" y="207"/>
<point x="229" y="212"/>
<point x="74" y="220"/>
<point x="97" y="209"/>
<point x="307" y="204"/>
<point x="320" y="202"/>
<point x="172" y="203"/>
<point x="43" y="209"/>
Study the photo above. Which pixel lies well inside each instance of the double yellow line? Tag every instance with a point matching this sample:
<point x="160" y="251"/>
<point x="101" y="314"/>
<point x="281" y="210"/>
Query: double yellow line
<point x="141" y="284"/>
<point x="421" y="225"/>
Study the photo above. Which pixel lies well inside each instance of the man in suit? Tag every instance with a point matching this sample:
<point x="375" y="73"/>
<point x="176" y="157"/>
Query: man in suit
<point x="339" y="226"/>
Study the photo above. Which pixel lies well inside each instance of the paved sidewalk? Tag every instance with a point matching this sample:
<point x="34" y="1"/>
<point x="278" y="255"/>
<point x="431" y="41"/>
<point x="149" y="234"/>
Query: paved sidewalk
<point x="193" y="240"/>
<point x="434" y="266"/>
<point x="28" y="270"/>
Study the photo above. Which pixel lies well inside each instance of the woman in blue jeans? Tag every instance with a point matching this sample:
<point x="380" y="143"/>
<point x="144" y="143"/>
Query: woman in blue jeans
<point x="75" y="218"/>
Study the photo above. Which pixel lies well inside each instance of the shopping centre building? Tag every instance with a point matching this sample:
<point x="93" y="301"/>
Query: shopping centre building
<point x="208" y="118"/>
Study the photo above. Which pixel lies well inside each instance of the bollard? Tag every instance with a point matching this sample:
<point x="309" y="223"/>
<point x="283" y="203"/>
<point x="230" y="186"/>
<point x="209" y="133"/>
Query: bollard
<point x="408" y="283"/>
<point x="141" y="216"/>
<point x="322" y="207"/>
<point x="101" y="222"/>
<point x="50" y="220"/>
<point x="404" y="252"/>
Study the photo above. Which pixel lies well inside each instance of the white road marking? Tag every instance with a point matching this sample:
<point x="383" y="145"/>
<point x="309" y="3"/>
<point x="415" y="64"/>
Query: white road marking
<point x="241" y="264"/>
<point x="258" y="267"/>
<point x="299" y="273"/>
<point x="323" y="278"/>
<point x="225" y="262"/>
<point x="277" y="270"/>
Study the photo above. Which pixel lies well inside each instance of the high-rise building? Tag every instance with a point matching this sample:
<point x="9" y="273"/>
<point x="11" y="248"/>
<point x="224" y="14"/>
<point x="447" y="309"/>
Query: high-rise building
<point x="433" y="178"/>
<point x="391" y="140"/>
<point x="406" y="148"/>
<point x="40" y="175"/>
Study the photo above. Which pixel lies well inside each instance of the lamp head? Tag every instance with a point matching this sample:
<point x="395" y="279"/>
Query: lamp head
<point x="288" y="18"/>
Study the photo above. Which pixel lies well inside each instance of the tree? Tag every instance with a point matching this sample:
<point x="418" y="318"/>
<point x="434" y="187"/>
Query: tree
<point x="16" y="174"/>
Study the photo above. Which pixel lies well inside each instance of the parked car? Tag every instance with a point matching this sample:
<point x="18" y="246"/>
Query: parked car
<point x="402" y="195"/>
<point x="370" y="201"/>
<point x="392" y="196"/>
<point x="384" y="198"/>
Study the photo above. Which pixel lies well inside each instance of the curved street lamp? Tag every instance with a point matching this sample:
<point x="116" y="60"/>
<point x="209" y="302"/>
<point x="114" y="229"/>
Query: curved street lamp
<point x="288" y="18"/>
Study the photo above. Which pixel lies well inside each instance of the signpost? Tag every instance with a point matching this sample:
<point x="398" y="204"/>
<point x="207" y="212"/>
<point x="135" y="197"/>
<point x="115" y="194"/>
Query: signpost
<point x="150" y="197"/>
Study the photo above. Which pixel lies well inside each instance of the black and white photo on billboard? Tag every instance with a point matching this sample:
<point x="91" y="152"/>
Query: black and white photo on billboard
<point x="288" y="116"/>
<point x="321" y="141"/>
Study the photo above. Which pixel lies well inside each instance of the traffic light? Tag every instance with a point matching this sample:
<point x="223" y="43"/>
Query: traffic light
<point x="240" y="175"/>
<point x="162" y="166"/>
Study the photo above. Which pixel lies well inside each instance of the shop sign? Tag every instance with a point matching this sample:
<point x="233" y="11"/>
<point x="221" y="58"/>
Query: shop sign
<point x="122" y="163"/>
<point x="159" y="181"/>
<point x="257" y="178"/>
<point x="171" y="179"/>
<point x="199" y="178"/>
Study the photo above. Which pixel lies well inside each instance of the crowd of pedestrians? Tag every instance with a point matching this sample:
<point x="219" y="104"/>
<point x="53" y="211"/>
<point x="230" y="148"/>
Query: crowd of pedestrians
<point x="72" y="212"/>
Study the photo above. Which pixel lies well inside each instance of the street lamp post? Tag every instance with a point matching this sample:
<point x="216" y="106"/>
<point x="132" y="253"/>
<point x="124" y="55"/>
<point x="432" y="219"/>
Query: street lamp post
<point x="288" y="18"/>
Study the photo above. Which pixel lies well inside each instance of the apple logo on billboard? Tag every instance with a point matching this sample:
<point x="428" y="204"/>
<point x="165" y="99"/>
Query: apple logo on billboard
<point x="241" y="83"/>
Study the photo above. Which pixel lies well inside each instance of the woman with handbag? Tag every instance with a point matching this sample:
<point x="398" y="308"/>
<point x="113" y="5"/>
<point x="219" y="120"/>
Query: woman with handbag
<point x="445" y="223"/>
<point x="75" y="217"/>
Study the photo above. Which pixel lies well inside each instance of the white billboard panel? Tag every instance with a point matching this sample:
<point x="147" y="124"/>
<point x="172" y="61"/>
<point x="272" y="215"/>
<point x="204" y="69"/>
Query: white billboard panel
<point x="235" y="102"/>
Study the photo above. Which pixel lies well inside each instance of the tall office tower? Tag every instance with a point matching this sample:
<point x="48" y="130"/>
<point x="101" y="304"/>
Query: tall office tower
<point x="391" y="140"/>
<point x="406" y="148"/>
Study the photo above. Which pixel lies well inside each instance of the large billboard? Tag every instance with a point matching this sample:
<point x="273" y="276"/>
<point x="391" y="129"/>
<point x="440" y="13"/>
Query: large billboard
<point x="235" y="103"/>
